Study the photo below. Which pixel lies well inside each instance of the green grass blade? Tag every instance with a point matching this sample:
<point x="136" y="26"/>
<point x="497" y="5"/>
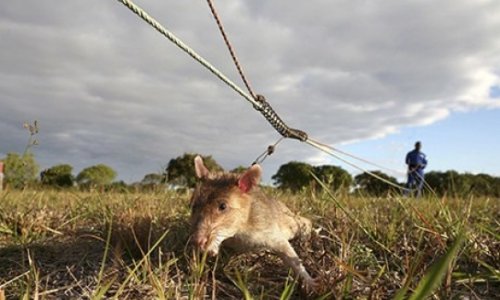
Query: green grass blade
<point x="433" y="277"/>
<point x="134" y="270"/>
<point x="490" y="231"/>
<point x="106" y="250"/>
<point x="287" y="292"/>
<point x="101" y="291"/>
<point x="349" y="215"/>
<point x="241" y="285"/>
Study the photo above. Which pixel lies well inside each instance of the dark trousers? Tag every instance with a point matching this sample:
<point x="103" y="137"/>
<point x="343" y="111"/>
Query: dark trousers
<point x="415" y="181"/>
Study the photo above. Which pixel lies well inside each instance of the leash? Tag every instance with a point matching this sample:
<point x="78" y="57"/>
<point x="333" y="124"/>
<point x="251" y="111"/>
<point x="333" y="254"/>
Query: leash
<point x="258" y="101"/>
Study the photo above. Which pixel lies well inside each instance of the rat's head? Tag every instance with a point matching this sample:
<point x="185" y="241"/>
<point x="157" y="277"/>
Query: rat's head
<point x="220" y="205"/>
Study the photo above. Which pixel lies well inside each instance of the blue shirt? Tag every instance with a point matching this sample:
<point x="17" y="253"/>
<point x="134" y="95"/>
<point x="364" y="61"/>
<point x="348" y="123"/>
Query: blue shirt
<point x="416" y="158"/>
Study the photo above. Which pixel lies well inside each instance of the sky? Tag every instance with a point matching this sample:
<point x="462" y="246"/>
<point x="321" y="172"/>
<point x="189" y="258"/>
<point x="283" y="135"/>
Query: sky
<point x="367" y="77"/>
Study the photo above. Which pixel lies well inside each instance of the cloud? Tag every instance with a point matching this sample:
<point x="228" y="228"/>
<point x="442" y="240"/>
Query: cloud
<point x="106" y="87"/>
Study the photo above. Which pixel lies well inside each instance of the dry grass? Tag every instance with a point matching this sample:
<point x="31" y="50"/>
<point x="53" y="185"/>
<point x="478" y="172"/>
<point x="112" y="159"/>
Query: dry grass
<point x="73" y="245"/>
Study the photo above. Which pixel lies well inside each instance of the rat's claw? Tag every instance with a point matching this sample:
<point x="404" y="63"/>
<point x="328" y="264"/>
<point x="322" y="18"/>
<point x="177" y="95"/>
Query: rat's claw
<point x="312" y="284"/>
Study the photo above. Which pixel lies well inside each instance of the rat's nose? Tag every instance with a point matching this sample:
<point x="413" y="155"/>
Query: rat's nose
<point x="201" y="242"/>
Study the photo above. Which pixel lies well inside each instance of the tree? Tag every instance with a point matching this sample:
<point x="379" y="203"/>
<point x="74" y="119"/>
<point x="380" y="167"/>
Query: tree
<point x="482" y="185"/>
<point x="437" y="182"/>
<point x="117" y="186"/>
<point x="334" y="177"/>
<point x="58" y="176"/>
<point x="152" y="181"/>
<point x="463" y="185"/>
<point x="293" y="176"/>
<point x="495" y="182"/>
<point x="180" y="171"/>
<point x="373" y="186"/>
<point x="98" y="175"/>
<point x="20" y="171"/>
<point x="449" y="182"/>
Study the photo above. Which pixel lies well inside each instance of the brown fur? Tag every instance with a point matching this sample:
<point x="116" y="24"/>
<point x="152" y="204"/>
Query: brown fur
<point x="230" y="210"/>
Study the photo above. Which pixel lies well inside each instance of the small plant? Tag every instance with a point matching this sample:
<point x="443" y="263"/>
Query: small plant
<point x="22" y="170"/>
<point x="33" y="131"/>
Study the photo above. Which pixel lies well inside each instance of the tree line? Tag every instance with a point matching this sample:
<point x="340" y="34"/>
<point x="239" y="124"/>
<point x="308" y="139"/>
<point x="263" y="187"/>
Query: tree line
<point x="22" y="171"/>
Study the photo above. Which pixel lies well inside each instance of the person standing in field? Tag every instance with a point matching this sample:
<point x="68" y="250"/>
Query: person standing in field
<point x="416" y="162"/>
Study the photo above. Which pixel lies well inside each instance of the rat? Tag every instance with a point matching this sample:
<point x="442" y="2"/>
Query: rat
<point x="229" y="210"/>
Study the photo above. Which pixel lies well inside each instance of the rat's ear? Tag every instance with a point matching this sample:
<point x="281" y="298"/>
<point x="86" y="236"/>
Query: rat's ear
<point x="199" y="167"/>
<point x="250" y="179"/>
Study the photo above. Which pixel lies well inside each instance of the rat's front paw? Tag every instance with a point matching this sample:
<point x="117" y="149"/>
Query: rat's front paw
<point x="312" y="285"/>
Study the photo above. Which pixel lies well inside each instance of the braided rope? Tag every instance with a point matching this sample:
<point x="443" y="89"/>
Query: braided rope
<point x="230" y="48"/>
<point x="261" y="105"/>
<point x="266" y="110"/>
<point x="258" y="102"/>
<point x="272" y="117"/>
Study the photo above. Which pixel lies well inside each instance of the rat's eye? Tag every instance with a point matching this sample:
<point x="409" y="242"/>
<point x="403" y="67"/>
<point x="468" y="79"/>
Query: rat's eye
<point x="222" y="206"/>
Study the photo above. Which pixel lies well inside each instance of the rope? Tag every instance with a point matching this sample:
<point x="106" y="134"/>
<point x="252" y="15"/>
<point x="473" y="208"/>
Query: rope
<point x="266" y="110"/>
<point x="156" y="25"/>
<point x="270" y="150"/>
<point x="426" y="184"/>
<point x="272" y="117"/>
<point x="327" y="150"/>
<point x="361" y="159"/>
<point x="230" y="48"/>
<point x="258" y="101"/>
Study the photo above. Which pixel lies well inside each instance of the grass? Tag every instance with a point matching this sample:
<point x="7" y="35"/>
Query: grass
<point x="77" y="245"/>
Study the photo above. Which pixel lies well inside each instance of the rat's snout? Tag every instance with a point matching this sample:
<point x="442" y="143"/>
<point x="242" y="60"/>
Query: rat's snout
<point x="199" y="233"/>
<point x="205" y="244"/>
<point x="200" y="241"/>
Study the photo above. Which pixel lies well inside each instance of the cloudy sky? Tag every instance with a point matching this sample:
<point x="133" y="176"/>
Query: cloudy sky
<point x="368" y="77"/>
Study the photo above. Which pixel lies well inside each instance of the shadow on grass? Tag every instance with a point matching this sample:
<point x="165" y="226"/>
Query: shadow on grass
<point x="68" y="265"/>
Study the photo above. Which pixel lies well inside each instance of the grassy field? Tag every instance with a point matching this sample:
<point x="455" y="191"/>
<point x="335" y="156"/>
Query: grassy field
<point x="74" y="245"/>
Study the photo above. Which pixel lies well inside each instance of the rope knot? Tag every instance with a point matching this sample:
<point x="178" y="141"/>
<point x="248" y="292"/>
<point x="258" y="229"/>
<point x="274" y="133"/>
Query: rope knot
<point x="270" y="149"/>
<point x="272" y="117"/>
<point x="260" y="100"/>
